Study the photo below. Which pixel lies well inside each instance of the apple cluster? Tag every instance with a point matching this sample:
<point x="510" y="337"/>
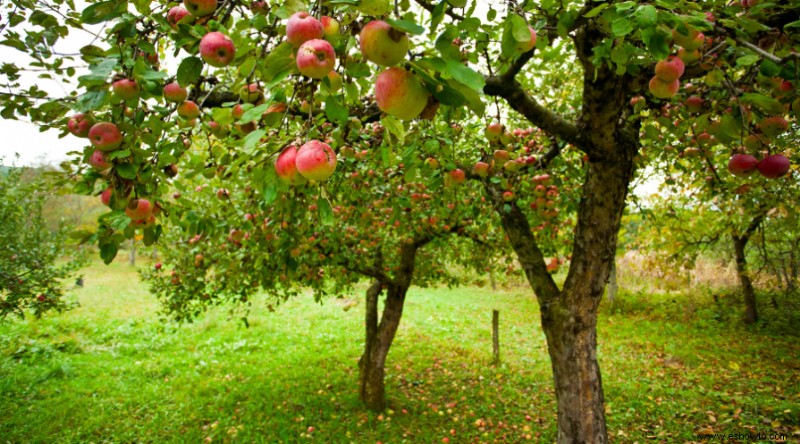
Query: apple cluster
<point x="314" y="160"/>
<point x="666" y="81"/>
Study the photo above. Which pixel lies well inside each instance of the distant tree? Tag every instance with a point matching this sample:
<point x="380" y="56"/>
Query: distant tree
<point x="33" y="275"/>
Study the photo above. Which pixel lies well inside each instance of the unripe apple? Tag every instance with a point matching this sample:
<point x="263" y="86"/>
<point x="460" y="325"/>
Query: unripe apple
<point x="494" y="131"/>
<point x="286" y="168"/>
<point x="105" y="196"/>
<point x="188" y="110"/>
<point x="670" y="70"/>
<point x="177" y="14"/>
<point x="691" y="41"/>
<point x="99" y="161"/>
<point x="251" y="93"/>
<point x="664" y="90"/>
<point x="201" y="8"/>
<point x="774" y="166"/>
<point x="382" y="44"/>
<point x="694" y="104"/>
<point x="105" y="136"/>
<point x="330" y="26"/>
<point x="742" y="165"/>
<point x="217" y="49"/>
<point x="528" y="45"/>
<point x="400" y="93"/>
<point x="302" y="27"/>
<point x="125" y="89"/>
<point x="501" y="157"/>
<point x="481" y="169"/>
<point x="80" y="124"/>
<point x="689" y="57"/>
<point x="174" y="92"/>
<point x="432" y="163"/>
<point x="316" y="160"/>
<point x="315" y="58"/>
<point x="335" y="81"/>
<point x="139" y="209"/>
<point x="773" y="126"/>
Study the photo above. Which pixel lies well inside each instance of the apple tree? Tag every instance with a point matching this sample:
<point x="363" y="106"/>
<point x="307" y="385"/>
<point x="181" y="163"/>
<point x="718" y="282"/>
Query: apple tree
<point x="249" y="80"/>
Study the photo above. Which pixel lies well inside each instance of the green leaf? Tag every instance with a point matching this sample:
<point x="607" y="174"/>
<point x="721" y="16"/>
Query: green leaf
<point x="254" y="113"/>
<point x="108" y="251"/>
<point x="438" y="15"/>
<point x="126" y="170"/>
<point x="621" y="27"/>
<point x="394" y="127"/>
<point x="335" y="111"/>
<point x="647" y="15"/>
<point x="747" y="60"/>
<point x="189" y="71"/>
<point x="444" y="44"/>
<point x="465" y="75"/>
<point x="762" y="102"/>
<point x="325" y="211"/>
<point x="279" y="64"/>
<point x="91" y="100"/>
<point x="103" y="11"/>
<point x="515" y="31"/>
<point x="596" y="10"/>
<point x="457" y="3"/>
<point x="657" y="41"/>
<point x="406" y="26"/>
<point x="251" y="141"/>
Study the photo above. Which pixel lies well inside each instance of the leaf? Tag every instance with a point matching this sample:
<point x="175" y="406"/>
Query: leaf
<point x="254" y="113"/>
<point x="465" y="75"/>
<point x="438" y="15"/>
<point x="279" y="64"/>
<point x="251" y="141"/>
<point x="406" y="26"/>
<point x="108" y="251"/>
<point x="189" y="71"/>
<point x="657" y="41"/>
<point x="394" y="127"/>
<point x="515" y="31"/>
<point x="91" y="100"/>
<point x="325" y="211"/>
<point x="335" y="111"/>
<point x="596" y="10"/>
<point x="457" y="3"/>
<point x="647" y="15"/>
<point x="126" y="170"/>
<point x="747" y="60"/>
<point x="621" y="27"/>
<point x="103" y="11"/>
<point x="762" y="102"/>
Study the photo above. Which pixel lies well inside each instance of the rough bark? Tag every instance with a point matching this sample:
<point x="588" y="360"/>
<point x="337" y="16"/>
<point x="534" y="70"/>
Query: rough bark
<point x="495" y="337"/>
<point x="748" y="293"/>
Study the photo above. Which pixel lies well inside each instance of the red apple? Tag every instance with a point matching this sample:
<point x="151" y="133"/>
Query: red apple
<point x="455" y="177"/>
<point x="139" y="209"/>
<point x="174" y="92"/>
<point x="105" y="136"/>
<point x="176" y="15"/>
<point x="432" y="163"/>
<point x="99" y="161"/>
<point x="382" y="44"/>
<point x="302" y="27"/>
<point x="217" y="49"/>
<point x="501" y="157"/>
<point x="494" y="131"/>
<point x="670" y="70"/>
<point x="201" y="8"/>
<point x="664" y="90"/>
<point x="125" y="89"/>
<point x="691" y="41"/>
<point x="188" y="110"/>
<point x="399" y="93"/>
<point x="315" y="58"/>
<point x="481" y="169"/>
<point x="774" y="166"/>
<point x="508" y="196"/>
<point x="286" y="168"/>
<point x="529" y="44"/>
<point x="80" y="124"/>
<point x="742" y="165"/>
<point x="105" y="196"/>
<point x="694" y="104"/>
<point x="157" y="265"/>
<point x="330" y="26"/>
<point x="773" y="126"/>
<point x="315" y="160"/>
<point x="251" y="93"/>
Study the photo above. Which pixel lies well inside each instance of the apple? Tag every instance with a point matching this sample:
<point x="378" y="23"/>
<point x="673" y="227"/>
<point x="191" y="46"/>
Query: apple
<point x="753" y="142"/>
<point x="742" y="165"/>
<point x="251" y="93"/>
<point x="176" y="15"/>
<point x="399" y="93"/>
<point x="125" y="89"/>
<point x="174" y="92"/>
<point x="259" y="7"/>
<point x="773" y="126"/>
<point x="481" y="169"/>
<point x="432" y="163"/>
<point x="691" y="41"/>
<point x="315" y="58"/>
<point x="501" y="157"/>
<point x="286" y="168"/>
<point x="157" y="265"/>
<point x="528" y="45"/>
<point x="99" y="161"/>
<point x="218" y="130"/>
<point x="80" y="124"/>
<point x="315" y="160"/>
<point x="774" y="166"/>
<point x="105" y="196"/>
<point x="201" y="8"/>
<point x="105" y="136"/>
<point x="670" y="70"/>
<point x="689" y="57"/>
<point x="330" y="26"/>
<point x="217" y="49"/>
<point x="694" y="104"/>
<point x="188" y="110"/>
<point x="335" y="81"/>
<point x="508" y="196"/>
<point x="664" y="90"/>
<point x="494" y="131"/>
<point x="382" y="44"/>
<point x="139" y="209"/>
<point x="302" y="27"/>
<point x="455" y="177"/>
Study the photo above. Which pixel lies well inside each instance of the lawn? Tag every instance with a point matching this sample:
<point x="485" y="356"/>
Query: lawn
<point x="113" y="371"/>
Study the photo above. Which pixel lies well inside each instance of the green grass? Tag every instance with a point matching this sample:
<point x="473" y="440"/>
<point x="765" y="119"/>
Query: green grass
<point x="111" y="371"/>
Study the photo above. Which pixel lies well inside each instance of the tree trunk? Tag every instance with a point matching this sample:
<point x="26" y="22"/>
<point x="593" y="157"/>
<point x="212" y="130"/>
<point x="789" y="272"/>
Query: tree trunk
<point x="612" y="289"/>
<point x="749" y="295"/>
<point x="495" y="337"/>
<point x="379" y="339"/>
<point x="132" y="260"/>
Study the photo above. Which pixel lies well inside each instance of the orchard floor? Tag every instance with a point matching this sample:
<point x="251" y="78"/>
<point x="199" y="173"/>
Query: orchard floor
<point x="111" y="371"/>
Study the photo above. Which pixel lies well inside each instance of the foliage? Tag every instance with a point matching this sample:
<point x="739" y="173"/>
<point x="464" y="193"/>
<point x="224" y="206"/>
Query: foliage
<point x="33" y="273"/>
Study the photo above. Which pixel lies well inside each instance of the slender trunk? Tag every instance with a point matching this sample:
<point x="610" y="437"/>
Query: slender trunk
<point x="132" y="261"/>
<point x="379" y="339"/>
<point x="749" y="295"/>
<point x="611" y="292"/>
<point x="495" y="337"/>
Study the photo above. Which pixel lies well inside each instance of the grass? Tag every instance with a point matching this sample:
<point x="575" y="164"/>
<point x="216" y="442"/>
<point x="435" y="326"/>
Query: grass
<point x="111" y="371"/>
